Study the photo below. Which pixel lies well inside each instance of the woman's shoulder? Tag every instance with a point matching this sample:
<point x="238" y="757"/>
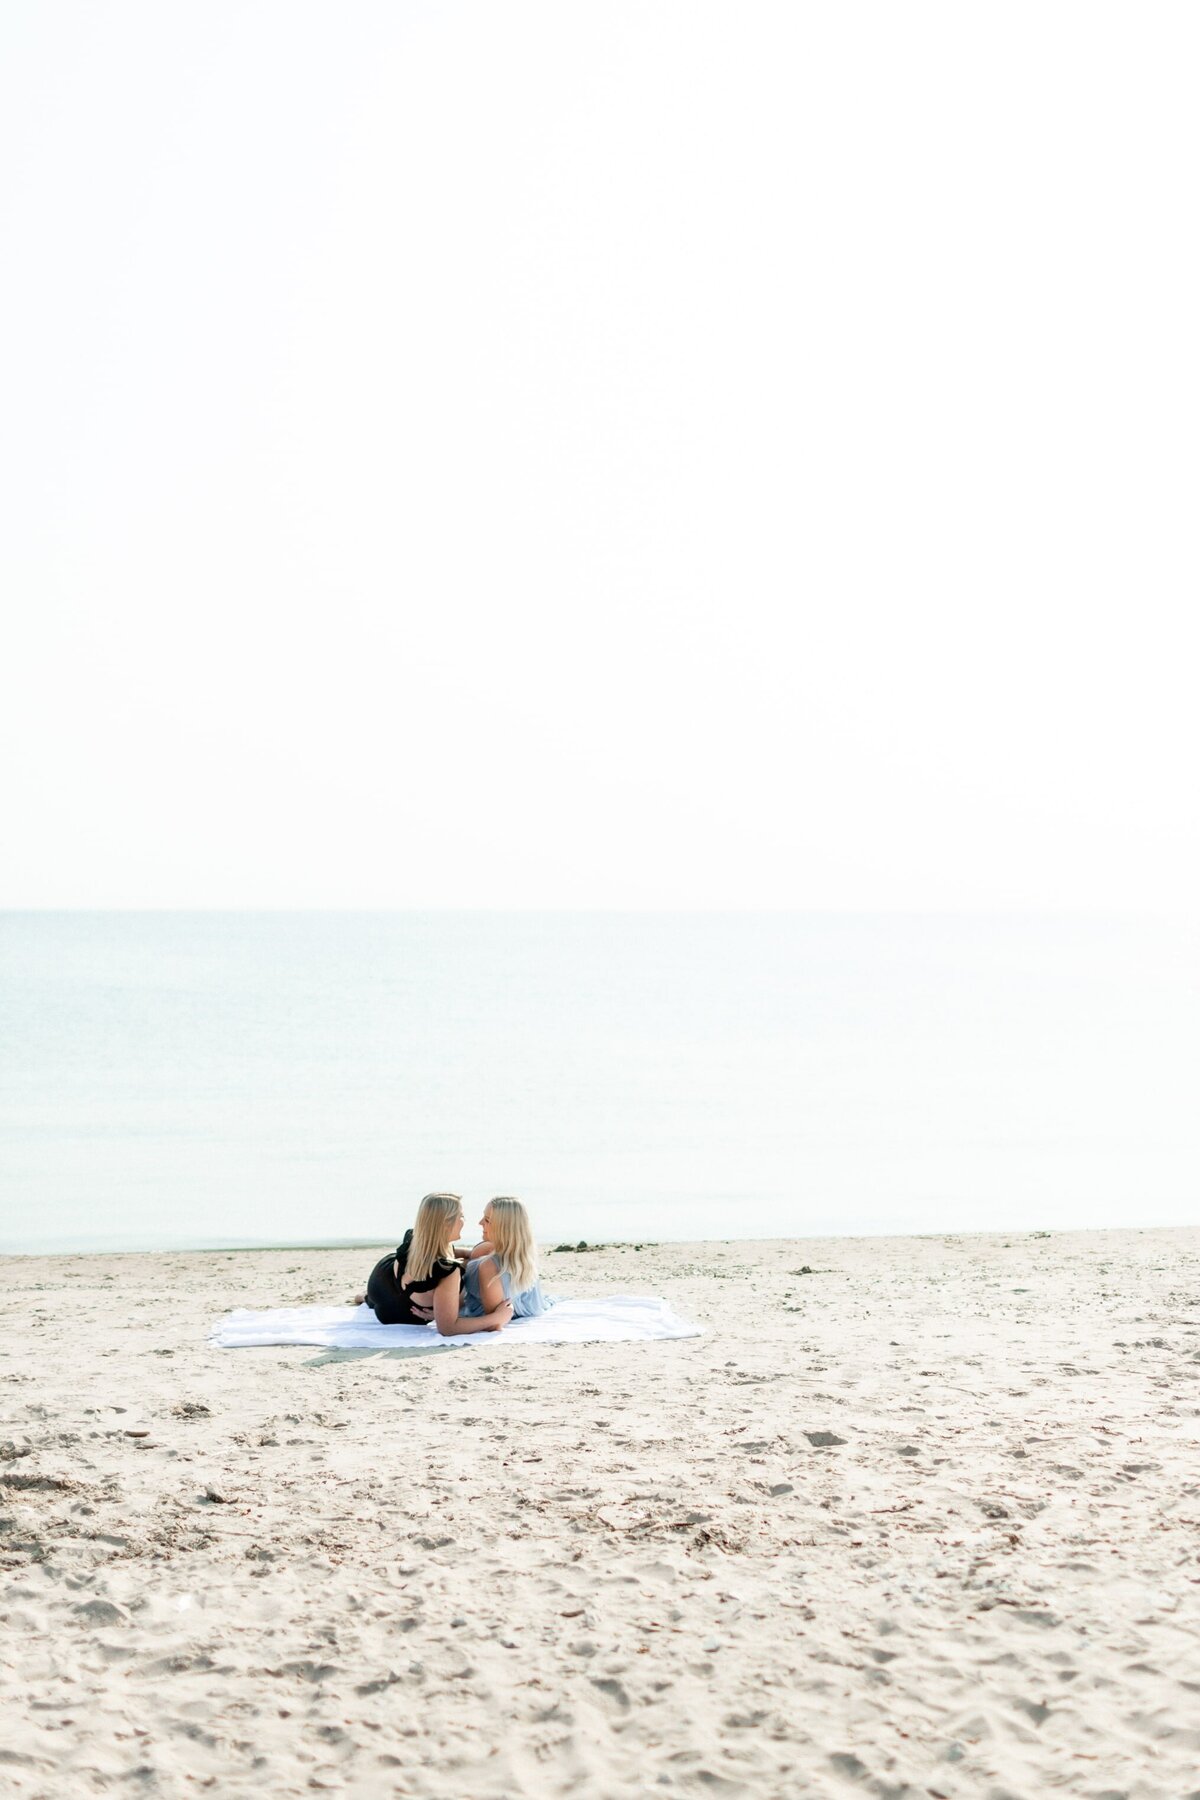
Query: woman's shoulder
<point x="402" y="1249"/>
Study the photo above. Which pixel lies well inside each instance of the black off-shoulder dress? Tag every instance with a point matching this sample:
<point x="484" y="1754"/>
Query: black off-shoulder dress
<point x="389" y="1301"/>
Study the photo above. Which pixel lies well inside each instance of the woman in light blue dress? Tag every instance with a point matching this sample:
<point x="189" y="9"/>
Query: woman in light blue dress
<point x="504" y="1266"/>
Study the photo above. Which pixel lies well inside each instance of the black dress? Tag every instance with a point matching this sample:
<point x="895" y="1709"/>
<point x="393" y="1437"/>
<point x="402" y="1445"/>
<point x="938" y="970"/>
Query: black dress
<point x="389" y="1301"/>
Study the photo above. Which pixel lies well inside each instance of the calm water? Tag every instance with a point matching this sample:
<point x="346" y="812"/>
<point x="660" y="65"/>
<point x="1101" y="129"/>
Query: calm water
<point x="188" y="1079"/>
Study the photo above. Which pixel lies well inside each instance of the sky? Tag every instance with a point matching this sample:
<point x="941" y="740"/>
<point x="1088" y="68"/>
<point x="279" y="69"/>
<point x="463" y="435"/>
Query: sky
<point x="618" y="455"/>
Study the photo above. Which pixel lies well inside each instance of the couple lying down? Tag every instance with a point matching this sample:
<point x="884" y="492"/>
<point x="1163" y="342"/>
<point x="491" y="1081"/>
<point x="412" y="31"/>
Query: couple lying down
<point x="459" y="1290"/>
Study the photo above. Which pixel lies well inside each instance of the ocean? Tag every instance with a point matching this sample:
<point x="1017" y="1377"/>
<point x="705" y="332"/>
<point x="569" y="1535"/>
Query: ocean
<point x="193" y="1079"/>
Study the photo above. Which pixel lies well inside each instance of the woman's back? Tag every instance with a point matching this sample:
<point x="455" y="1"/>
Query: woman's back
<point x="388" y="1296"/>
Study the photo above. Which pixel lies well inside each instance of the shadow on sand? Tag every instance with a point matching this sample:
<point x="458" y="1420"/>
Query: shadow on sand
<point x="397" y="1354"/>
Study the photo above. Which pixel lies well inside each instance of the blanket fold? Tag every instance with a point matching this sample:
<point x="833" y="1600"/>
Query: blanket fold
<point x="611" y="1319"/>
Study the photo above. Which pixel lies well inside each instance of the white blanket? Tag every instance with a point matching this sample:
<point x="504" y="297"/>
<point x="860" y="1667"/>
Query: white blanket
<point x="614" y="1318"/>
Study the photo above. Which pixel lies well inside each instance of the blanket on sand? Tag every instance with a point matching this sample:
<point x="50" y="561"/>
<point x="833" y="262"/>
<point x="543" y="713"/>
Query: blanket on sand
<point x="614" y="1318"/>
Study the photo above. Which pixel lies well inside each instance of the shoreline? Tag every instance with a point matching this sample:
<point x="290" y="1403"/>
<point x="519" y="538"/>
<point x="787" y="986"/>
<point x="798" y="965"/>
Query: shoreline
<point x="254" y="1247"/>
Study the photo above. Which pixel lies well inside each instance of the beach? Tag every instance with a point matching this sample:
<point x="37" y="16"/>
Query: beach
<point x="915" y="1516"/>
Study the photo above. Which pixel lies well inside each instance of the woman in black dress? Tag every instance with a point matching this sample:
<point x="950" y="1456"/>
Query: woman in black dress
<point x="423" y="1279"/>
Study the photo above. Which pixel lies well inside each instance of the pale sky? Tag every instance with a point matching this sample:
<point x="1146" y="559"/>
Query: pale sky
<point x="599" y="454"/>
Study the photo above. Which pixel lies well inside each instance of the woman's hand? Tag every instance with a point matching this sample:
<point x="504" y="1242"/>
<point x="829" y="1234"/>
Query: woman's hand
<point x="499" y="1316"/>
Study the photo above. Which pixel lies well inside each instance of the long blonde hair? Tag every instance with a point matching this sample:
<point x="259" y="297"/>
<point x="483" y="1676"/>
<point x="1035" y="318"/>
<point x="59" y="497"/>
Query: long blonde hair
<point x="433" y="1234"/>
<point x="512" y="1240"/>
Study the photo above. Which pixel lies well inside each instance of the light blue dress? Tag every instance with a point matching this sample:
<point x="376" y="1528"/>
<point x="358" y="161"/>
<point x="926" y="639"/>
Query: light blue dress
<point x="525" y="1306"/>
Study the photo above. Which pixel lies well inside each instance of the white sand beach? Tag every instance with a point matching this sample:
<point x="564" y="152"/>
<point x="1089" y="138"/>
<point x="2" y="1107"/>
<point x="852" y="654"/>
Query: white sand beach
<point x="924" y="1521"/>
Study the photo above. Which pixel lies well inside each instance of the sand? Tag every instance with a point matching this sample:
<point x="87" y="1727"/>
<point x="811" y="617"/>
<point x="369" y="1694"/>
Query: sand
<point x="924" y="1521"/>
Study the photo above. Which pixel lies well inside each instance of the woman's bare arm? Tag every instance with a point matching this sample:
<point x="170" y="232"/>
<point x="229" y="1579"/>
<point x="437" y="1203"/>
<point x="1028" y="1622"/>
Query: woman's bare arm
<point x="445" y="1310"/>
<point x="491" y="1288"/>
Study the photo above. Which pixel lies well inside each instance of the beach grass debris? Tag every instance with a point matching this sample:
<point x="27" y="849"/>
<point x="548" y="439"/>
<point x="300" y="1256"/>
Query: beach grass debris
<point x="583" y="1247"/>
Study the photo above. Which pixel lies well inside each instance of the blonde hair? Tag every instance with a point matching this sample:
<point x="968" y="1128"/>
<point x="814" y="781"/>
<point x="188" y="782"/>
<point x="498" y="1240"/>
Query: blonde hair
<point x="433" y="1234"/>
<point x="512" y="1239"/>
